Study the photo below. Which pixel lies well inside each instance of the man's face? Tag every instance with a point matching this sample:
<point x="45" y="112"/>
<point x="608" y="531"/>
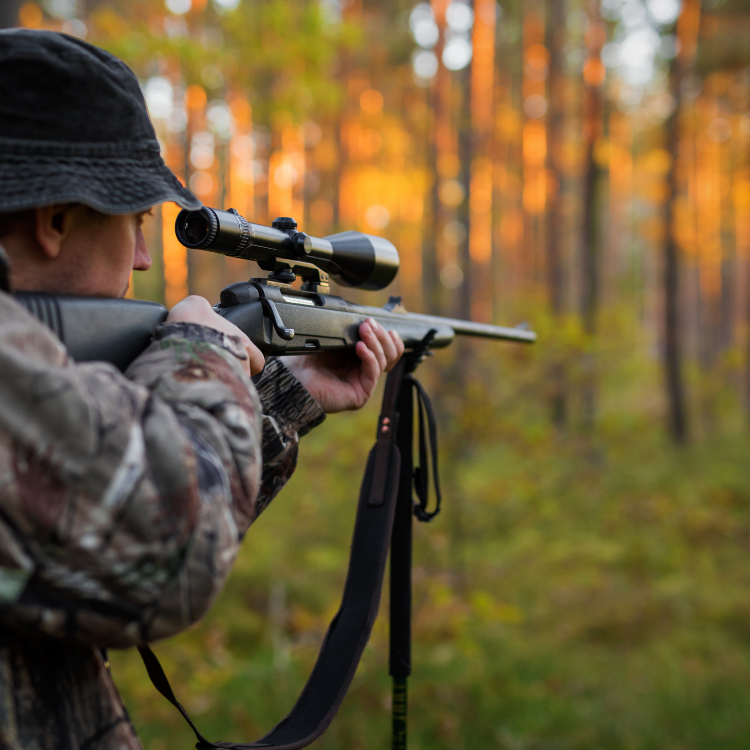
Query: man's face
<point x="99" y="251"/>
<point x="72" y="249"/>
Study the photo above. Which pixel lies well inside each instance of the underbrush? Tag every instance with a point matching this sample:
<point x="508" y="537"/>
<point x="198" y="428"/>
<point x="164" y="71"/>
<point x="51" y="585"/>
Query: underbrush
<point x="584" y="588"/>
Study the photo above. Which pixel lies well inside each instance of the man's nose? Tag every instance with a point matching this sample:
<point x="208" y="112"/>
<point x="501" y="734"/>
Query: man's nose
<point x="142" y="260"/>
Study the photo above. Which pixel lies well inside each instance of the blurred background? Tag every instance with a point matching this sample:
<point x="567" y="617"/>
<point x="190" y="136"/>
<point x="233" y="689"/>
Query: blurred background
<point x="583" y="166"/>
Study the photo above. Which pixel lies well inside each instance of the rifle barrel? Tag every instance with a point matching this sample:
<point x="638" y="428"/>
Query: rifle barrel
<point x="481" y="330"/>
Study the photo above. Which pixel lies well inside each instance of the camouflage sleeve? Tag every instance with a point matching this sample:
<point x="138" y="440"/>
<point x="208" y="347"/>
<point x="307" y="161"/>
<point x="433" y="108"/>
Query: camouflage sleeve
<point x="289" y="412"/>
<point x="123" y="500"/>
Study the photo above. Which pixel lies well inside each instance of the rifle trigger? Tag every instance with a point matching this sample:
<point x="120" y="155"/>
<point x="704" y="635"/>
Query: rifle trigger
<point x="278" y="324"/>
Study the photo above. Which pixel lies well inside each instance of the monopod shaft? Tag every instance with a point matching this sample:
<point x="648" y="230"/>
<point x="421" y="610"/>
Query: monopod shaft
<point x="401" y="548"/>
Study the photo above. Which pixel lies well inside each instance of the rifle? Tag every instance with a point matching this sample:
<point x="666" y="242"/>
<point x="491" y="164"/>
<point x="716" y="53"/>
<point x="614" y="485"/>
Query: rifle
<point x="283" y="320"/>
<point x="279" y="319"/>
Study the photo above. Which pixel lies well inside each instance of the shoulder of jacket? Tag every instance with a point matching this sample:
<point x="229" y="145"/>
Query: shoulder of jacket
<point x="19" y="329"/>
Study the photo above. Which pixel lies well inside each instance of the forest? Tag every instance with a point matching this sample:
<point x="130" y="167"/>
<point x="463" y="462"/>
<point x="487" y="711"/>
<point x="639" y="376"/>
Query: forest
<point x="582" y="166"/>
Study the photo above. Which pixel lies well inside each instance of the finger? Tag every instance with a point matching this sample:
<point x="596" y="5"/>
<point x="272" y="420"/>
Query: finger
<point x="367" y="333"/>
<point x="192" y="309"/>
<point x="399" y="343"/>
<point x="389" y="348"/>
<point x="195" y="309"/>
<point x="395" y="349"/>
<point x="255" y="359"/>
<point x="369" y="371"/>
<point x="247" y="366"/>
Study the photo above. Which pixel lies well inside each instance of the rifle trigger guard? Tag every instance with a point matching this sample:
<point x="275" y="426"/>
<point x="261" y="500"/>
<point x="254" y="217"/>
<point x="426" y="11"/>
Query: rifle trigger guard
<point x="278" y="324"/>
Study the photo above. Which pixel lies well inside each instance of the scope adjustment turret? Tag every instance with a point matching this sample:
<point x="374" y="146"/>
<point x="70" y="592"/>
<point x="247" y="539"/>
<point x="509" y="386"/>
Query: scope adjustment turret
<point x="284" y="223"/>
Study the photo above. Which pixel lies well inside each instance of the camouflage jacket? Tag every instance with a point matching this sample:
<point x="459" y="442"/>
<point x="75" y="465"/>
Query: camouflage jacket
<point x="123" y="501"/>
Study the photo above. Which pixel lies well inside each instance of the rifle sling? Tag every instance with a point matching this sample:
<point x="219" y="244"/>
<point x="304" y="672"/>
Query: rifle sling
<point x="426" y="413"/>
<point x="350" y="629"/>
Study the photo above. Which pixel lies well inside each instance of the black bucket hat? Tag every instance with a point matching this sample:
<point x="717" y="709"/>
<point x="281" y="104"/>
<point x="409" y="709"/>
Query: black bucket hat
<point x="74" y="127"/>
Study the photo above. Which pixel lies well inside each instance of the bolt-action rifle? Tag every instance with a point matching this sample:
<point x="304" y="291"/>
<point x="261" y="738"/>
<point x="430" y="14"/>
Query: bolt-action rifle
<point x="278" y="318"/>
<point x="281" y="319"/>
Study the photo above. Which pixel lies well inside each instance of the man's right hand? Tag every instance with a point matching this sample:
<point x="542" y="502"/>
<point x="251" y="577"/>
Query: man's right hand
<point x="194" y="309"/>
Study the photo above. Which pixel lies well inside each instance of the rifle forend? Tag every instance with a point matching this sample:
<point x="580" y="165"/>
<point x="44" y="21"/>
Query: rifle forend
<point x="351" y="258"/>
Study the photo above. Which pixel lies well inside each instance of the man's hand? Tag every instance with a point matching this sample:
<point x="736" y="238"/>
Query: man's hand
<point x="343" y="380"/>
<point x="196" y="309"/>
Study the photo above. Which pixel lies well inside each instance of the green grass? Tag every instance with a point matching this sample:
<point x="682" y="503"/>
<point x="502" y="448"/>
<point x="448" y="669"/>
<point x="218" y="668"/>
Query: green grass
<point x="581" y="591"/>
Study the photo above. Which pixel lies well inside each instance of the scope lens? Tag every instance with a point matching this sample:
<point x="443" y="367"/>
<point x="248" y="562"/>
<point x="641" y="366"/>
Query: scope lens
<point x="196" y="227"/>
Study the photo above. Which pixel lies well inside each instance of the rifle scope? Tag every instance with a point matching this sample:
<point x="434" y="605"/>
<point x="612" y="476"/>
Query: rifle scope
<point x="351" y="258"/>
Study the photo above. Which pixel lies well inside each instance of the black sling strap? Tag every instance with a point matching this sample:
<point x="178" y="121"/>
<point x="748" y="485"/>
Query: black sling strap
<point x="350" y="629"/>
<point x="422" y="472"/>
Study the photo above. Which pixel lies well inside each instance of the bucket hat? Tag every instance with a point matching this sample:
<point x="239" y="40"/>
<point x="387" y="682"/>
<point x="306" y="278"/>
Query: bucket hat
<point x="74" y="127"/>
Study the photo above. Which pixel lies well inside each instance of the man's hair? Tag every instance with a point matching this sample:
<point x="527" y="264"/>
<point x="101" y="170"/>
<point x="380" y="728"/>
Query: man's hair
<point x="12" y="219"/>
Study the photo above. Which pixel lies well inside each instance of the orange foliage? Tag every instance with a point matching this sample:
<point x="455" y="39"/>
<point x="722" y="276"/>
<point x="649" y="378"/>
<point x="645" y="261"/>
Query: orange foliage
<point x="536" y="58"/>
<point x="688" y="26"/>
<point x="533" y="29"/>
<point x="534" y="142"/>
<point x="175" y="257"/>
<point x="594" y="72"/>
<point x="482" y="69"/>
<point x="30" y="15"/>
<point x="371" y="101"/>
<point x="195" y="97"/>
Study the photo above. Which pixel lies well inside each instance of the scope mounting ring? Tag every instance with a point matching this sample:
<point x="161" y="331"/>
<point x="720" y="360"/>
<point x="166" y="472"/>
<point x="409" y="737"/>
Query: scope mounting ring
<point x="286" y="271"/>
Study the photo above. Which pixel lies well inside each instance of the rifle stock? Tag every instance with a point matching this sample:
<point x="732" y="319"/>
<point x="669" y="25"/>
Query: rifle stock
<point x="97" y="329"/>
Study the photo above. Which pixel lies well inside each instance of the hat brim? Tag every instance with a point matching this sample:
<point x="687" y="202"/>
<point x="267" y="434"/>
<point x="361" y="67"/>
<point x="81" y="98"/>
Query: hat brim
<point x="111" y="178"/>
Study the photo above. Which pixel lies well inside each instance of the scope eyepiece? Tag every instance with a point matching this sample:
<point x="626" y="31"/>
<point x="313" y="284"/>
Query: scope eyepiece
<point x="352" y="259"/>
<point x="196" y="229"/>
<point x="224" y="232"/>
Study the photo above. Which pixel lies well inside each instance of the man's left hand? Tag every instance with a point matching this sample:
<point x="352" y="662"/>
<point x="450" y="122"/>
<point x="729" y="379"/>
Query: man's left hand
<point x="340" y="380"/>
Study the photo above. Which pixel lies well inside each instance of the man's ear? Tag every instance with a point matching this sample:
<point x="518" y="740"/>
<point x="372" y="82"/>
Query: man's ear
<point x="52" y="225"/>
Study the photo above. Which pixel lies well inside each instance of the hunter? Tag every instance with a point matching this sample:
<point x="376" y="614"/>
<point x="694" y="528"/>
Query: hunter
<point x="123" y="498"/>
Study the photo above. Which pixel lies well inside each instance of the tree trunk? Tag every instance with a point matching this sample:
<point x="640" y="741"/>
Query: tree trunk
<point x="463" y="213"/>
<point x="593" y="115"/>
<point x="439" y="121"/>
<point x="556" y="13"/>
<point x="747" y="338"/>
<point x="672" y="339"/>
<point x="687" y="32"/>
<point x="555" y="130"/>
